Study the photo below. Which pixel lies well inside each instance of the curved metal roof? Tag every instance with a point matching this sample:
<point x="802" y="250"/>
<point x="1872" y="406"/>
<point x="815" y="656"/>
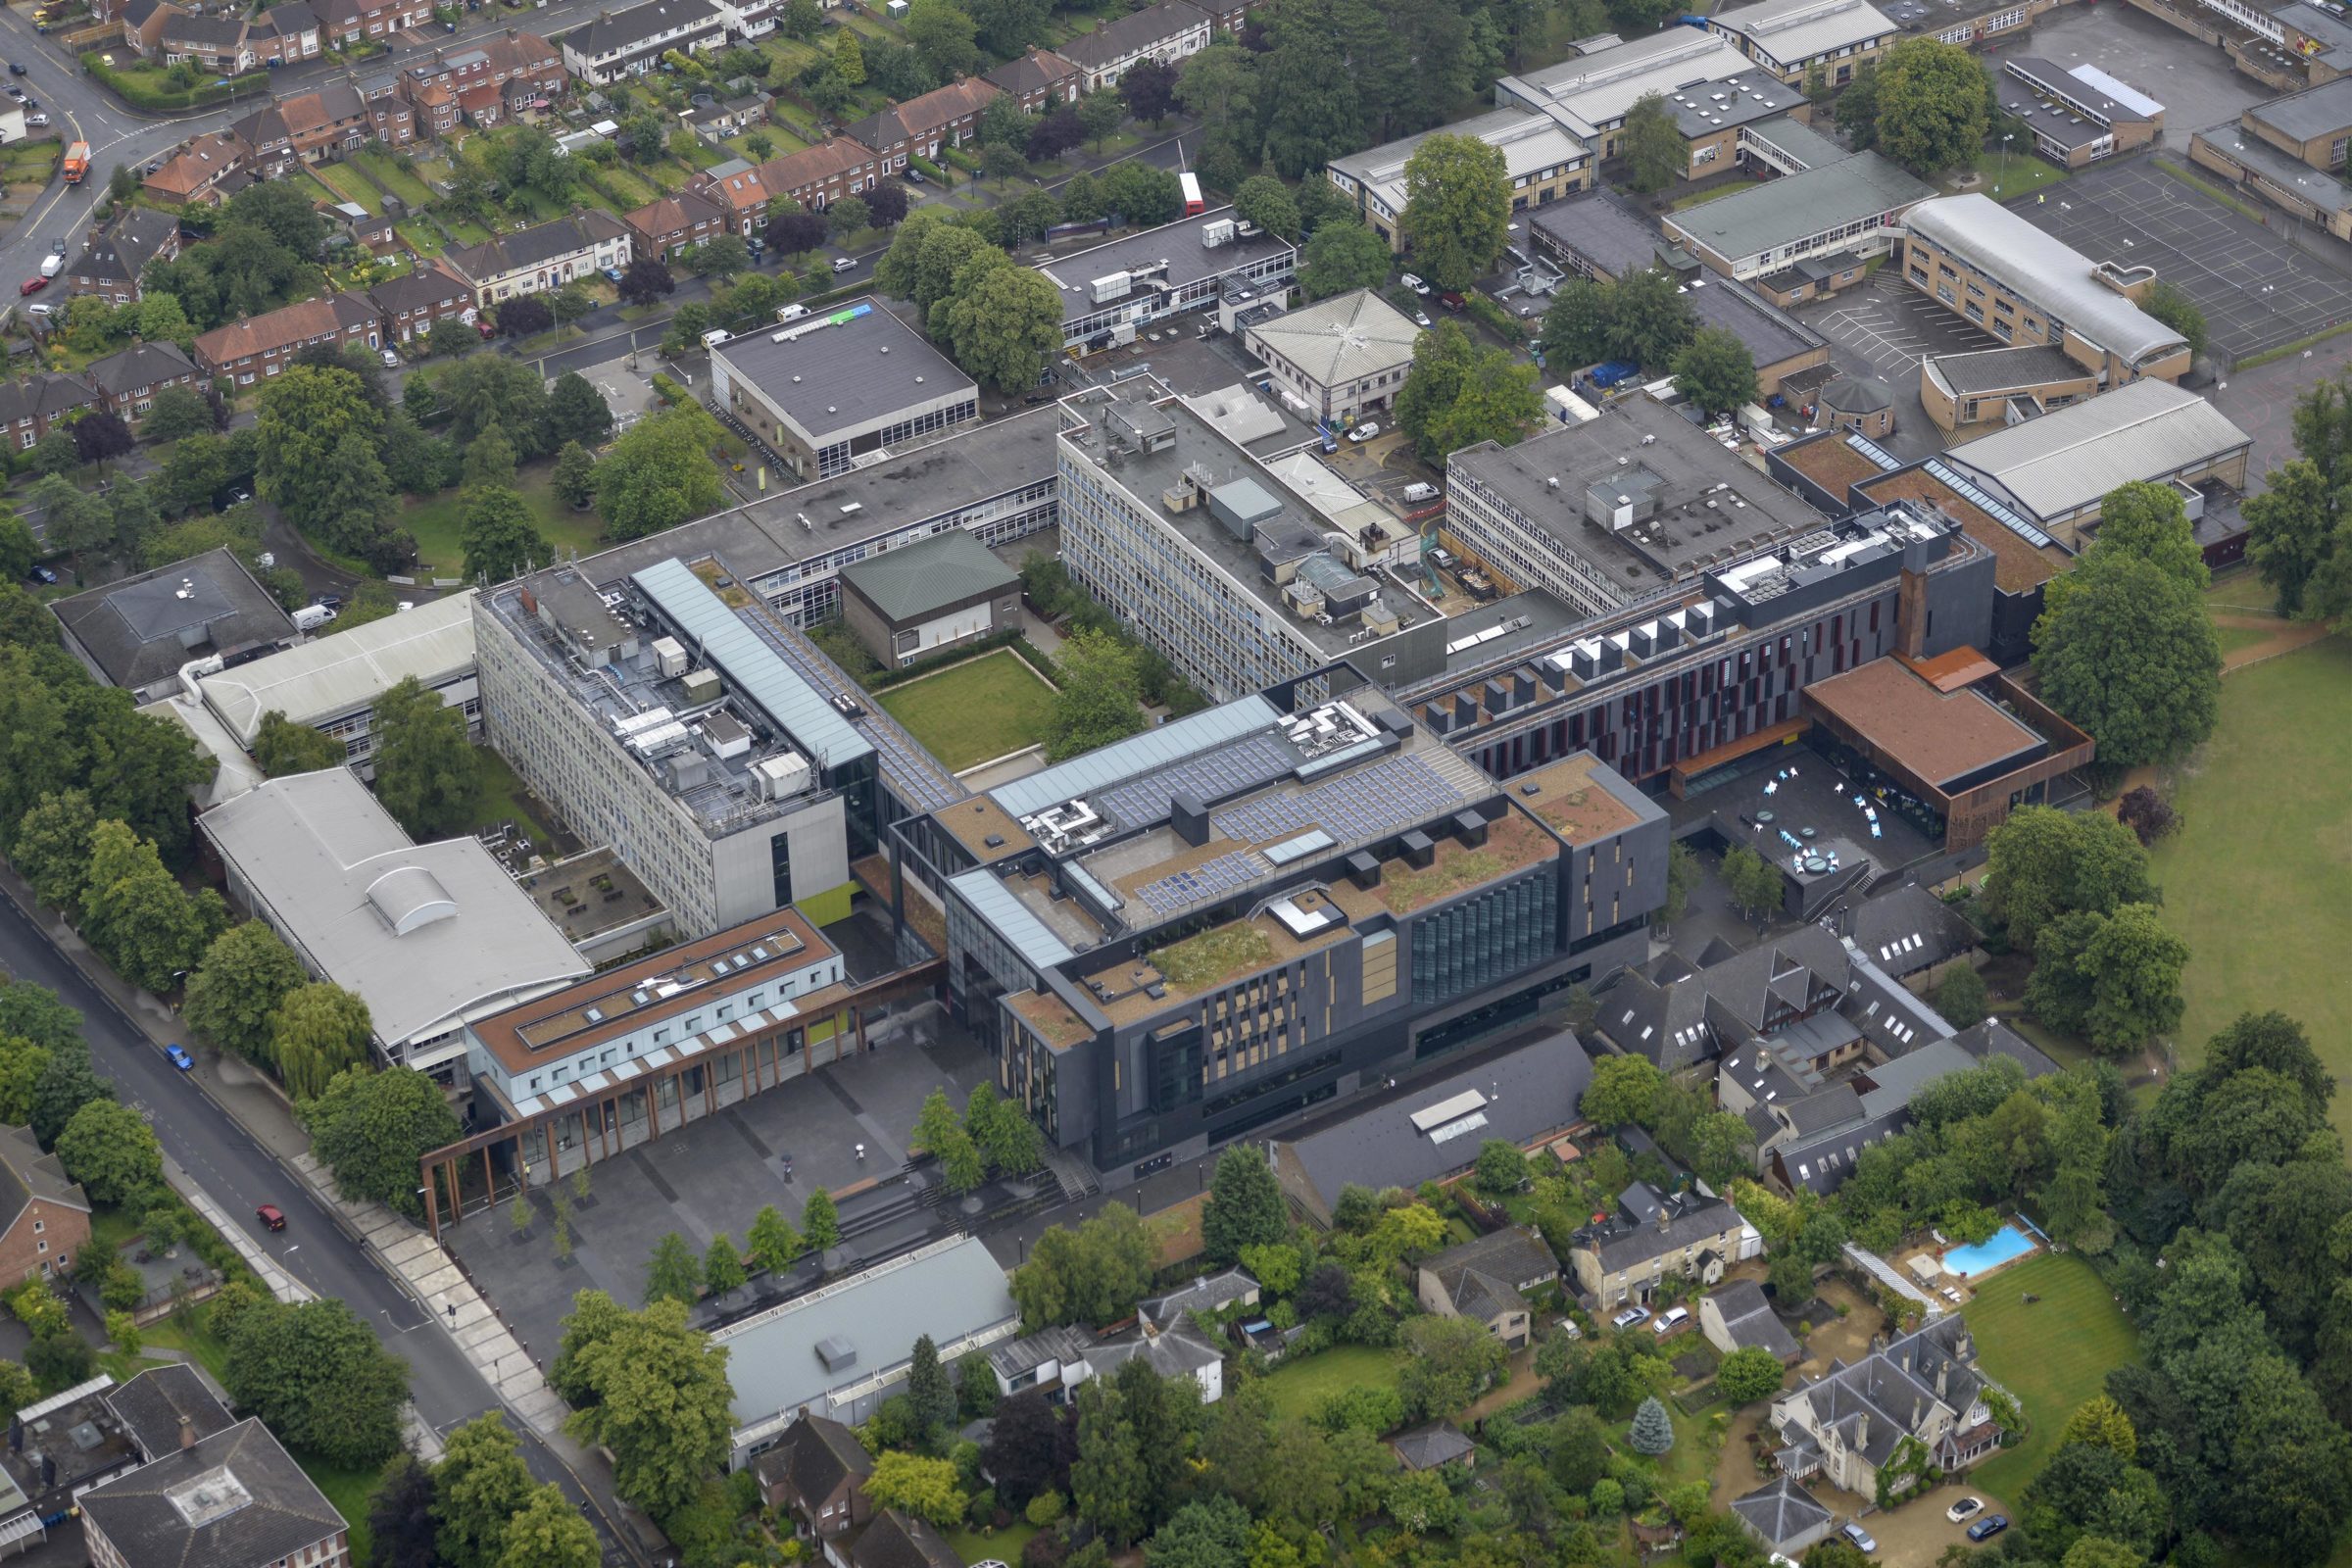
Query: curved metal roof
<point x="2044" y="271"/>
<point x="410" y="896"/>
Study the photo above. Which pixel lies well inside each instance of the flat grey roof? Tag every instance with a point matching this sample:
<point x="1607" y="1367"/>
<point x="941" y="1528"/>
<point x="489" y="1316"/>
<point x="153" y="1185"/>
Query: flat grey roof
<point x="1709" y="505"/>
<point x="842" y="371"/>
<point x="2004" y="370"/>
<point x="1521" y="1095"/>
<point x="331" y="676"/>
<point x="1772" y="334"/>
<point x="2293" y="177"/>
<point x="2043" y="269"/>
<point x="996" y="457"/>
<point x="421" y="932"/>
<point x="140" y="630"/>
<point x="1790" y="31"/>
<point x="1589" y="91"/>
<point x="1178" y="244"/>
<point x="950" y="1289"/>
<point x="2310" y="114"/>
<point x="1795" y="207"/>
<point x="1795" y="139"/>
<point x="1608" y="234"/>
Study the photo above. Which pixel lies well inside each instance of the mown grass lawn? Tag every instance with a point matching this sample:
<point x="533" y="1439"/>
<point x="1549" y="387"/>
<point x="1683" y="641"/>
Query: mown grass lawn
<point x="2052" y="1354"/>
<point x="1299" y="1388"/>
<point x="2254" y="876"/>
<point x="981" y="708"/>
<point x="348" y="1491"/>
<point x="350" y="185"/>
<point x="502" y="800"/>
<point x="2009" y="176"/>
<point x="396" y="179"/>
<point x="435" y="522"/>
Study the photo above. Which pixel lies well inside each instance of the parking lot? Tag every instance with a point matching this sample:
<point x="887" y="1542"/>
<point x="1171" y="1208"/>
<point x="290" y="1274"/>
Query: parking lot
<point x="1884" y="329"/>
<point x="2255" y="290"/>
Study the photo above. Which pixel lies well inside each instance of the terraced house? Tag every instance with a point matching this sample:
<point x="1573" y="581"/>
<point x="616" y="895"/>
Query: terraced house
<point x="533" y="260"/>
<point x="672" y="224"/>
<point x="1168" y="32"/>
<point x="413" y="305"/>
<point x="31" y="409"/>
<point x="323" y="123"/>
<point x="816" y="178"/>
<point x="126" y="382"/>
<point x="484" y="82"/>
<point x="345" y="23"/>
<point x="630" y="43"/>
<point x="258" y="349"/>
<point x="921" y="126"/>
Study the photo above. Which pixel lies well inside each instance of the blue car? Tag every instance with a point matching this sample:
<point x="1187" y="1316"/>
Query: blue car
<point x="612" y="272"/>
<point x="1989" y="1527"/>
<point x="179" y="1058"/>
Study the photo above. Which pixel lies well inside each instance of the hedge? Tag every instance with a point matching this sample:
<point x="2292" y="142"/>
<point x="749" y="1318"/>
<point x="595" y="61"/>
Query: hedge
<point x="141" y="92"/>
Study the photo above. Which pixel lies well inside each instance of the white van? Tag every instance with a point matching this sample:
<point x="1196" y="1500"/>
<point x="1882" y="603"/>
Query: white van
<point x="714" y="337"/>
<point x="1420" y="491"/>
<point x="792" y="313"/>
<point x="1672" y="1319"/>
<point x="309" y="618"/>
<point x="51" y="266"/>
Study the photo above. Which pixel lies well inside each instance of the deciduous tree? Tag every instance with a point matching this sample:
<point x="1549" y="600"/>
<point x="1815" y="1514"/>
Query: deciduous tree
<point x="673" y="1273"/>
<point x="658" y="1398"/>
<point x="479" y="1485"/>
<point x="1343" y="255"/>
<point x="233" y="995"/>
<point x="282" y="746"/>
<point x="548" y="1532"/>
<point x="1452" y="1361"/>
<point x="1715" y="370"/>
<point x="110" y="1149"/>
<point x="317" y="1030"/>
<point x="1245" y="1206"/>
<point x="426" y="772"/>
<point x="1459" y="393"/>
<point x="1748" y="1374"/>
<point x="821" y="1221"/>
<point x="773" y="1240"/>
<point x="2130" y="654"/>
<point x="319" y="1378"/>
<point x="372" y="1128"/>
<point x="1457" y="209"/>
<point x="1005" y="329"/>
<point x="500" y="534"/>
<point x="659" y="473"/>
<point x="1932" y="105"/>
<point x="1655" y="154"/>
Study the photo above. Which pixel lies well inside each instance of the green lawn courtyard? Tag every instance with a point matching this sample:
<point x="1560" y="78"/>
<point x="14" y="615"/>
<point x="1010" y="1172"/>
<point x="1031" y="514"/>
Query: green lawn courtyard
<point x="435" y="522"/>
<point x="2253" y="878"/>
<point x="2005" y="176"/>
<point x="980" y="709"/>
<point x="2052" y="1354"/>
<point x="1299" y="1388"/>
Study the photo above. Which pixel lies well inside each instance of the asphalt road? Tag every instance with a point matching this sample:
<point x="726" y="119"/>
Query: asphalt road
<point x="240" y="1175"/>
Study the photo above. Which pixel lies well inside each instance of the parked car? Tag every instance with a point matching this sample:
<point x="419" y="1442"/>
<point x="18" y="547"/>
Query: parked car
<point x="1453" y="302"/>
<point x="1364" y="432"/>
<point x="915" y="176"/>
<point x="32" y="285"/>
<point x="1671" y="1320"/>
<point x="845" y="263"/>
<point x="1629" y="1317"/>
<point x="1421" y="319"/>
<point x="1860" y="1538"/>
<point x="328" y="601"/>
<point x="36" y="120"/>
<point x="180" y="1056"/>
<point x="40" y="308"/>
<point x="15" y="69"/>
<point x="1965" y="1508"/>
<point x="1415" y="284"/>
<point x="56" y="247"/>
<point x="612" y="272"/>
<point x="272" y="1217"/>
<point x="15" y="92"/>
<point x="45" y="577"/>
<point x="1992" y="1525"/>
<point x="391" y="360"/>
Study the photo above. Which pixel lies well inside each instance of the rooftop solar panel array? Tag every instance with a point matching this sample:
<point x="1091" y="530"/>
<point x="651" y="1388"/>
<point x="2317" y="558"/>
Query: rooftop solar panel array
<point x="1354" y="806"/>
<point x="1211" y="879"/>
<point x="1213" y="775"/>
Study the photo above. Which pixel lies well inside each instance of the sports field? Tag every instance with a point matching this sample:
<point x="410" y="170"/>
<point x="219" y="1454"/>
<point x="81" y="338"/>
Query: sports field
<point x="2053" y="1353"/>
<point x="977" y="710"/>
<point x="2253" y="879"/>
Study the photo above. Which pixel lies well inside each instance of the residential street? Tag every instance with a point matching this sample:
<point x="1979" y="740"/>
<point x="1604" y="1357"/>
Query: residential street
<point x="236" y="1172"/>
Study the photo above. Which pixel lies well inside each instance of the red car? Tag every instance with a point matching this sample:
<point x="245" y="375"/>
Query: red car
<point x="32" y="285"/>
<point x="271" y="1216"/>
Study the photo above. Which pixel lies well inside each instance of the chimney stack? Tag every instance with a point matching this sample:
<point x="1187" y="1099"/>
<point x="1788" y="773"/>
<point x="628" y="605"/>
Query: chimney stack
<point x="1862" y="1432"/>
<point x="187" y="1432"/>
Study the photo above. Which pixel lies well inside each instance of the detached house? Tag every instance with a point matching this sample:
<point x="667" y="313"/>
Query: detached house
<point x="816" y="1473"/>
<point x="411" y="307"/>
<point x="1488" y="1281"/>
<point x="1847" y="1424"/>
<point x="143" y="22"/>
<point x="546" y="256"/>
<point x="1037" y="81"/>
<point x="630" y="43"/>
<point x="260" y="347"/>
<point x="1167" y="33"/>
<point x="128" y="382"/>
<point x="674" y="223"/>
<point x="31" y="409"/>
<point x="113" y="259"/>
<point x="921" y="126"/>
<point x="344" y="22"/>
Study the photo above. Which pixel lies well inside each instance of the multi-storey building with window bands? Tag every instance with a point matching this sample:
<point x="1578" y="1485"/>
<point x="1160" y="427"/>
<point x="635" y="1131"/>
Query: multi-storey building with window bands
<point x="1116" y="290"/>
<point x="1188" y="936"/>
<point x="1191" y="534"/>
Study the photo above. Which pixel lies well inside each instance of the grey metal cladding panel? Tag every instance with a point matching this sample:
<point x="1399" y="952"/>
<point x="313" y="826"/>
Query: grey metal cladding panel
<point x="1002" y="910"/>
<point x="750" y="665"/>
<point x="1138" y="754"/>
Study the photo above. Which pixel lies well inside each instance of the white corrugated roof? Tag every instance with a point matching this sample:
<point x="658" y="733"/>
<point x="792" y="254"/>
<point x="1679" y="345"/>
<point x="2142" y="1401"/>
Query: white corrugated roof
<point x="339" y="675"/>
<point x="2064" y="461"/>
<point x="1795" y="30"/>
<point x="1342" y="340"/>
<point x="2044" y="271"/>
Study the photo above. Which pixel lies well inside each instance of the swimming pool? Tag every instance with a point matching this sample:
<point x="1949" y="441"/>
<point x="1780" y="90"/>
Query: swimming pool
<point x="2007" y="1245"/>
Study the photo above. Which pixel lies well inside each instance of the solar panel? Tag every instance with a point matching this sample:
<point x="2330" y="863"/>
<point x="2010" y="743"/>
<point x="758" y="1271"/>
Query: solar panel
<point x="1214" y="775"/>
<point x="1211" y="879"/>
<point x="1351" y="808"/>
<point x="1975" y="497"/>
